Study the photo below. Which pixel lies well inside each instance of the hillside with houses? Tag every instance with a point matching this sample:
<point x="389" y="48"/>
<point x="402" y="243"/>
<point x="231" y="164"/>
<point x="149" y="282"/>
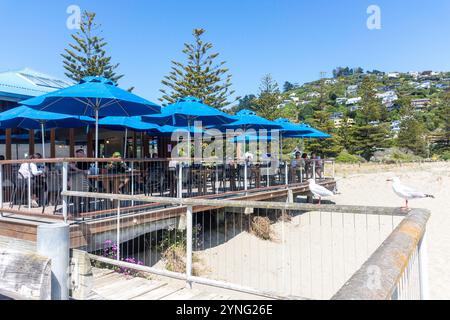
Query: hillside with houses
<point x="406" y="113"/>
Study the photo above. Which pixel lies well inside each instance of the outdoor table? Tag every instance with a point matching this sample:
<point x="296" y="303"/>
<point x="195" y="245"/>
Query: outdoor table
<point x="111" y="181"/>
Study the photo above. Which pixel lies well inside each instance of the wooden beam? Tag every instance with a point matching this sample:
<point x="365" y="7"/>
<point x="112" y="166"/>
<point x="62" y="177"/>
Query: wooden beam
<point x="134" y="145"/>
<point x="145" y="148"/>
<point x="31" y="142"/>
<point x="8" y="153"/>
<point x="89" y="144"/>
<point x="72" y="142"/>
<point x="52" y="143"/>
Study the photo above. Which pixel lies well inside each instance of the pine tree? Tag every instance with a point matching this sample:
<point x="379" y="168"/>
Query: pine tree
<point x="87" y="56"/>
<point x="200" y="77"/>
<point x="371" y="106"/>
<point x="366" y="139"/>
<point x="412" y="136"/>
<point x="327" y="147"/>
<point x="266" y="105"/>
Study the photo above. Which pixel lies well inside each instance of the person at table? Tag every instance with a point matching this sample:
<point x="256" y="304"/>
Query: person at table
<point x="118" y="167"/>
<point x="80" y="166"/>
<point x="28" y="171"/>
<point x="318" y="163"/>
<point x="296" y="166"/>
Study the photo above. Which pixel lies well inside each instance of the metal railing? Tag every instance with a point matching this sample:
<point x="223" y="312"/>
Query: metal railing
<point x="273" y="249"/>
<point x="34" y="186"/>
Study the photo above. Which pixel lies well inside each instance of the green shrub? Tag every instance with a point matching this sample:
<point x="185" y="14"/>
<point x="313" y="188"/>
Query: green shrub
<point x="445" y="155"/>
<point x="345" y="157"/>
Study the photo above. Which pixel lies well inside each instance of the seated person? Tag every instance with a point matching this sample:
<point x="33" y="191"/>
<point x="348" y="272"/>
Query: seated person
<point x="30" y="171"/>
<point x="118" y="167"/>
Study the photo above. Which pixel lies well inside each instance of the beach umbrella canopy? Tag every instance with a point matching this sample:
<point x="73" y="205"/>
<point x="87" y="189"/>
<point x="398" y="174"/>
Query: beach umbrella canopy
<point x="186" y="111"/>
<point x="28" y="118"/>
<point x="247" y="119"/>
<point x="289" y="128"/>
<point x="94" y="96"/>
<point x="133" y="123"/>
<point x="251" y="138"/>
<point x="314" y="134"/>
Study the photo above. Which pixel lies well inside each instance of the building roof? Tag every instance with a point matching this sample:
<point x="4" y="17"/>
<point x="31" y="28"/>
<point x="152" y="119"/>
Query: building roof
<point x="26" y="83"/>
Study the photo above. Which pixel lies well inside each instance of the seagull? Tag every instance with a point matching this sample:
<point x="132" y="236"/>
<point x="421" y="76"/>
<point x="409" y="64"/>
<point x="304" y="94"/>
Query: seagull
<point x="318" y="190"/>
<point x="406" y="192"/>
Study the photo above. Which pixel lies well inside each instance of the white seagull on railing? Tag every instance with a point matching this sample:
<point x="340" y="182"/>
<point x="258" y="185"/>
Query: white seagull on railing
<point x="405" y="192"/>
<point x="318" y="190"/>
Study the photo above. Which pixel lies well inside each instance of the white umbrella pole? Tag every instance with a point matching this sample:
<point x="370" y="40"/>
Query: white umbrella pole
<point x="43" y="139"/>
<point x="125" y="144"/>
<point x="96" y="133"/>
<point x="189" y="142"/>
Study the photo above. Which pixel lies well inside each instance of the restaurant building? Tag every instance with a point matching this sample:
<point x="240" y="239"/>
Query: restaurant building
<point x="15" y="143"/>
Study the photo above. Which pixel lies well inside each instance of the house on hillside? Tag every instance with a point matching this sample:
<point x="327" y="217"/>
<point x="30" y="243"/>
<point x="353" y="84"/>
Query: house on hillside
<point x="341" y="100"/>
<point x="331" y="81"/>
<point x="313" y="95"/>
<point x="420" y="104"/>
<point x="353" y="101"/>
<point x="393" y="75"/>
<point x="352" y="90"/>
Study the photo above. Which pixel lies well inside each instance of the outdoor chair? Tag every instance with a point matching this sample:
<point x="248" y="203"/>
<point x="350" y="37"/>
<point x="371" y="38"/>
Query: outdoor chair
<point x="52" y="193"/>
<point x="20" y="188"/>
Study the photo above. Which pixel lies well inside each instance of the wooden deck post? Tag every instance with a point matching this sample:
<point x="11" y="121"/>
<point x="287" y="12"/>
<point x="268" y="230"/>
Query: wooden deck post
<point x="31" y="142"/>
<point x="145" y="147"/>
<point x="72" y="142"/>
<point x="89" y="144"/>
<point x="52" y="143"/>
<point x="134" y="145"/>
<point x="8" y="153"/>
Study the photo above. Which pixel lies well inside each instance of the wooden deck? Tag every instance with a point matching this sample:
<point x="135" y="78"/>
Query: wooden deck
<point x="110" y="285"/>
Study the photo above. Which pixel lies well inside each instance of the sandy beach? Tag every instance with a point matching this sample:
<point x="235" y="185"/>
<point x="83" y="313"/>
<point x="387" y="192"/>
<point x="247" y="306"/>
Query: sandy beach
<point x="322" y="250"/>
<point x="433" y="178"/>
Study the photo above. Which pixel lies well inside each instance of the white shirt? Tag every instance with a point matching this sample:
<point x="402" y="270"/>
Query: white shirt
<point x="29" y="170"/>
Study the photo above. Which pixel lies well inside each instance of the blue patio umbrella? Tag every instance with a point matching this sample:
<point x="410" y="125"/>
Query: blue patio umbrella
<point x="124" y="123"/>
<point x="27" y="118"/>
<point x="313" y="134"/>
<point x="251" y="137"/>
<point x="186" y="111"/>
<point x="289" y="128"/>
<point x="247" y="119"/>
<point x="96" y="97"/>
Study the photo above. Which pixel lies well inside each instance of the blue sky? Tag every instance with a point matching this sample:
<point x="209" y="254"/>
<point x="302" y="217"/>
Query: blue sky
<point x="291" y="39"/>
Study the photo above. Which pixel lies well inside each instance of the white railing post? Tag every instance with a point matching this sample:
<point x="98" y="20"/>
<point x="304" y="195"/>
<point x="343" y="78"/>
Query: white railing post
<point x="189" y="246"/>
<point x="118" y="231"/>
<point x="180" y="181"/>
<point x="245" y="176"/>
<point x="314" y="170"/>
<point x="286" y="173"/>
<point x="423" y="268"/>
<point x="216" y="180"/>
<point x="301" y="174"/>
<point x="132" y="181"/>
<point x="267" y="175"/>
<point x="29" y="189"/>
<point x="65" y="177"/>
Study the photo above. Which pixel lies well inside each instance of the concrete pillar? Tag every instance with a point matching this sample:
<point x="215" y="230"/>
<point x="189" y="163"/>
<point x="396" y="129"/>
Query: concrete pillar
<point x="53" y="242"/>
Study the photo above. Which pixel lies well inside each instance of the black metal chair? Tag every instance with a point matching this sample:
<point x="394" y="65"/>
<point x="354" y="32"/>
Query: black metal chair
<point x="20" y="186"/>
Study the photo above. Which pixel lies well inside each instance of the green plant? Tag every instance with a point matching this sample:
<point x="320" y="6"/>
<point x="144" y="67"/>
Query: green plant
<point x="345" y="157"/>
